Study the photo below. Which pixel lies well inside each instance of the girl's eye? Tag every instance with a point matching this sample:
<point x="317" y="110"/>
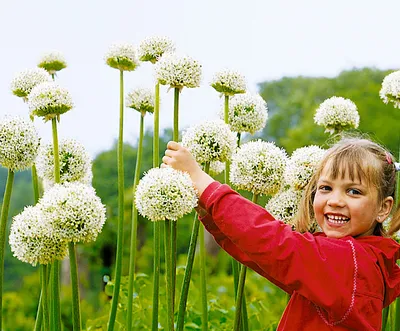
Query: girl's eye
<point x="353" y="191"/>
<point x="324" y="188"/>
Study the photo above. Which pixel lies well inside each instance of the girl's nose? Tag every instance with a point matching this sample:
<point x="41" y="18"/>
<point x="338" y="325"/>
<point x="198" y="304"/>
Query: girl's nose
<point x="335" y="200"/>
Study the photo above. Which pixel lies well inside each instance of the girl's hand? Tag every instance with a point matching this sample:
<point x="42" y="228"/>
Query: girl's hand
<point x="179" y="158"/>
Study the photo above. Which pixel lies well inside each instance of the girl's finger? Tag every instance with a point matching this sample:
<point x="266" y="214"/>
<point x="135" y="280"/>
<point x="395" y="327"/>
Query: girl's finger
<point x="166" y="159"/>
<point x="173" y="145"/>
<point x="169" y="152"/>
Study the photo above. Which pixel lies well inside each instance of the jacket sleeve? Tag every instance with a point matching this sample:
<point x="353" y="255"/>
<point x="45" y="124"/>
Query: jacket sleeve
<point x="321" y="269"/>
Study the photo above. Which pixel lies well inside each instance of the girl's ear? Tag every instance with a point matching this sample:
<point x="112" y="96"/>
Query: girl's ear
<point x="386" y="208"/>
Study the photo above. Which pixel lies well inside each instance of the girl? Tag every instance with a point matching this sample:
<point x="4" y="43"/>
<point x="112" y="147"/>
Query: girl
<point x="339" y="279"/>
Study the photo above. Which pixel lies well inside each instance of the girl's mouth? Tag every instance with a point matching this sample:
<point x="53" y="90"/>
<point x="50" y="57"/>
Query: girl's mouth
<point x="336" y="220"/>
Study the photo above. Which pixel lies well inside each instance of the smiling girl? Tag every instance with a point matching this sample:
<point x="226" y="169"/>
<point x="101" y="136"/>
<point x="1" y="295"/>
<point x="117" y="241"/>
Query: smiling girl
<point x="340" y="278"/>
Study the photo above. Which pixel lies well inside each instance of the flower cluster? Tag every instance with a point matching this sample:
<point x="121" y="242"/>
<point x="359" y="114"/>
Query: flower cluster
<point x="74" y="211"/>
<point x="178" y="72"/>
<point x="258" y="167"/>
<point x="33" y="241"/>
<point x="229" y="82"/>
<point x="52" y="62"/>
<point x="284" y="205"/>
<point x="19" y="143"/>
<point x="23" y="83"/>
<point x="122" y="56"/>
<point x="49" y="100"/>
<point x="390" y="91"/>
<point x="337" y="114"/>
<point x="141" y="99"/>
<point x="210" y="141"/>
<point x="216" y="167"/>
<point x="302" y="165"/>
<point x="152" y="48"/>
<point x="247" y="113"/>
<point x="75" y="163"/>
<point x="165" y="194"/>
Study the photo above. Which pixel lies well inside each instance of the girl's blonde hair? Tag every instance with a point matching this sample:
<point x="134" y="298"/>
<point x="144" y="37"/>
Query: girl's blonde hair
<point x="363" y="160"/>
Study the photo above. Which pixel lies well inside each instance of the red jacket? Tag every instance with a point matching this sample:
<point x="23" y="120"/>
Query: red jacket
<point x="335" y="284"/>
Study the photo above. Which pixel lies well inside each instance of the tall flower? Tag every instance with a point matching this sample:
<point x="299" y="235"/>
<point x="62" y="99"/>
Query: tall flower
<point x="302" y="165"/>
<point x="258" y="167"/>
<point x="52" y="62"/>
<point x="33" y="241"/>
<point x="337" y="114"/>
<point x="390" y="91"/>
<point x="228" y="82"/>
<point x="178" y="72"/>
<point x="23" y="82"/>
<point x="284" y="205"/>
<point x="19" y="143"/>
<point x="75" y="162"/>
<point x="152" y="48"/>
<point x="122" y="56"/>
<point x="141" y="99"/>
<point x="210" y="141"/>
<point x="247" y="113"/>
<point x="49" y="100"/>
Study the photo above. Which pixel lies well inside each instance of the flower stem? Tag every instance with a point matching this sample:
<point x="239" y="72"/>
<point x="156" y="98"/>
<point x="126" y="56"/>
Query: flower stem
<point x="238" y="139"/>
<point x="3" y="226"/>
<point x="134" y="225"/>
<point x="156" y="225"/>
<point x="120" y="233"/>
<point x="44" y="296"/>
<point x="76" y="314"/>
<point x="35" y="184"/>
<point x="168" y="272"/>
<point x="55" y="321"/>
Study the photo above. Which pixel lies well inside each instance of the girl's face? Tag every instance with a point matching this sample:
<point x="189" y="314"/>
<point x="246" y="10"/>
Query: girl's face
<point x="345" y="207"/>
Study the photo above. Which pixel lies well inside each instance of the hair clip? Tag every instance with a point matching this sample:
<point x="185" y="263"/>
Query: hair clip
<point x="388" y="158"/>
<point x="397" y="166"/>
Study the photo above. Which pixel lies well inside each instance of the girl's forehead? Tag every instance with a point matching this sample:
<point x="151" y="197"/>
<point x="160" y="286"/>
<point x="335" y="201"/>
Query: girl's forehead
<point x="346" y="170"/>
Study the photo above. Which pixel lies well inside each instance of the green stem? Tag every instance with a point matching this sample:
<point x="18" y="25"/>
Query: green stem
<point x="168" y="272"/>
<point x="35" y="184"/>
<point x="134" y="225"/>
<point x="3" y="226"/>
<point x="120" y="233"/>
<point x="226" y="119"/>
<point x="156" y="225"/>
<point x="44" y="296"/>
<point x="238" y="139"/>
<point x="55" y="322"/>
<point x="39" y="313"/>
<point x="76" y="313"/>
<point x="188" y="273"/>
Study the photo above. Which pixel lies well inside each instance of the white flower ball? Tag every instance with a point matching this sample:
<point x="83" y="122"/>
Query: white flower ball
<point x="52" y="62"/>
<point x="390" y="91"/>
<point x="122" y="56"/>
<point x="247" y="113"/>
<point x="178" y="72"/>
<point x="165" y="194"/>
<point x="141" y="99"/>
<point x="74" y="211"/>
<point x="75" y="163"/>
<point x="33" y="240"/>
<point x="229" y="82"/>
<point x="302" y="165"/>
<point x="210" y="141"/>
<point x="285" y="205"/>
<point x="337" y="114"/>
<point x="152" y="48"/>
<point x="49" y="100"/>
<point x="216" y="167"/>
<point x="23" y="83"/>
<point x="19" y="143"/>
<point x="258" y="167"/>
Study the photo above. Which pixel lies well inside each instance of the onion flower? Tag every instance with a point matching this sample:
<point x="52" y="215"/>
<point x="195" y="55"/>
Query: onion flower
<point x="141" y="99"/>
<point x="52" y="62"/>
<point x="284" y="205"/>
<point x="23" y="82"/>
<point x="122" y="56"/>
<point x="152" y="48"/>
<point x="390" y="91"/>
<point x="228" y="82"/>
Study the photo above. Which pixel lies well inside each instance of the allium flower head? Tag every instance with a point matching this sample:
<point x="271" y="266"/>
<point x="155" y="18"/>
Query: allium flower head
<point x="23" y="83"/>
<point x="52" y="62"/>
<point x="19" y="143"/>
<point x="49" y="100"/>
<point x="302" y="165"/>
<point x="216" y="167"/>
<point x="258" y="167"/>
<point x="390" y="91"/>
<point x="141" y="99"/>
<point x="284" y="205"/>
<point x="210" y="141"/>
<point x="247" y="113"/>
<point x="165" y="194"/>
<point x="74" y="210"/>
<point x="122" y="56"/>
<point x="152" y="48"/>
<point x="229" y="82"/>
<point x="178" y="72"/>
<point x="33" y="241"/>
<point x="337" y="114"/>
<point x="75" y="162"/>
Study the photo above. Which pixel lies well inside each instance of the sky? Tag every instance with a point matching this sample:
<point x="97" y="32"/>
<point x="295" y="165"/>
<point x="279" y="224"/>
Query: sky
<point x="262" y="39"/>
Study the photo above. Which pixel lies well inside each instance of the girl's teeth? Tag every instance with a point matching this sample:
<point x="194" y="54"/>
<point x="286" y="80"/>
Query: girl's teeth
<point x="337" y="219"/>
